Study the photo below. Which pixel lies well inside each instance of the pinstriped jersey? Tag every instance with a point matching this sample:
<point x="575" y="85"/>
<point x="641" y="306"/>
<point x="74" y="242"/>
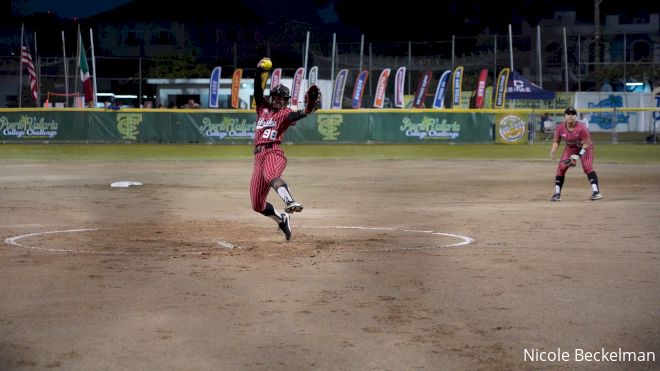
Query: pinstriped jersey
<point x="573" y="138"/>
<point x="270" y="125"/>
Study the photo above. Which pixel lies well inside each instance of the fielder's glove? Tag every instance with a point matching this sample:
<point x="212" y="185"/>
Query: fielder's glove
<point x="571" y="161"/>
<point x="312" y="99"/>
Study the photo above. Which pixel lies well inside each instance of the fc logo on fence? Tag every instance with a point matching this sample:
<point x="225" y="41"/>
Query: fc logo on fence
<point x="128" y="125"/>
<point x="329" y="126"/>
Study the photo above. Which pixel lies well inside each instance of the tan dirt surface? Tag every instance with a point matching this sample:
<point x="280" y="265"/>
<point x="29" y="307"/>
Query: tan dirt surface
<point x="180" y="274"/>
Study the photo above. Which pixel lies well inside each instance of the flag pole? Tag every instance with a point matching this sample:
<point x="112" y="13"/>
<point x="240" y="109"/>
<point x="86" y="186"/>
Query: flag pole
<point x="36" y="56"/>
<point x="91" y="41"/>
<point x="66" y="73"/>
<point x="20" y="70"/>
<point x="78" y="73"/>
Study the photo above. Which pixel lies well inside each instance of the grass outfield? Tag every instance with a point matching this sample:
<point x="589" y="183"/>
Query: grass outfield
<point x="605" y="153"/>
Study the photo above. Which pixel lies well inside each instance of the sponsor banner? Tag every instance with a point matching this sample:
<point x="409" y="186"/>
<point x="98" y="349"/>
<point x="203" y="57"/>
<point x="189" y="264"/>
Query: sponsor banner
<point x="313" y="75"/>
<point x="297" y="84"/>
<point x="381" y="88"/>
<point x="481" y="89"/>
<point x="500" y="90"/>
<point x="422" y="88"/>
<point x="235" y="87"/>
<point x="338" y="92"/>
<point x="399" y="82"/>
<point x="510" y="129"/>
<point x="275" y="78"/>
<point x="400" y="126"/>
<point x="214" y="88"/>
<point x="237" y="126"/>
<point x="439" y="100"/>
<point x="358" y="90"/>
<point x="457" y="86"/>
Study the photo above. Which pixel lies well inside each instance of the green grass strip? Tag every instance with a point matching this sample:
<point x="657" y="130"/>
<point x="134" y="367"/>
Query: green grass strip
<point x="605" y="153"/>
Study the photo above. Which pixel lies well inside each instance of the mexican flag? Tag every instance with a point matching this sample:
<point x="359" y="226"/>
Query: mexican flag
<point x="84" y="74"/>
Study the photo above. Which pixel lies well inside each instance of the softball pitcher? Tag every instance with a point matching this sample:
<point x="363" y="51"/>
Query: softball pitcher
<point x="274" y="117"/>
<point x="578" y="145"/>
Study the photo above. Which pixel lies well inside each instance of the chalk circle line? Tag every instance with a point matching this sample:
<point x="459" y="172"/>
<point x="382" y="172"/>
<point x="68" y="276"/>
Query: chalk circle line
<point x="464" y="240"/>
<point x="13" y="241"/>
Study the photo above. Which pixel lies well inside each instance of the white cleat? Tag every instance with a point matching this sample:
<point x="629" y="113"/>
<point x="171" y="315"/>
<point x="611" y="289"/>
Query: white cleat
<point x="596" y="196"/>
<point x="293" y="206"/>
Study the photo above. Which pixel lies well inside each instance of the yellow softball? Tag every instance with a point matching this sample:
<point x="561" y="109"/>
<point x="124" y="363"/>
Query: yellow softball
<point x="266" y="64"/>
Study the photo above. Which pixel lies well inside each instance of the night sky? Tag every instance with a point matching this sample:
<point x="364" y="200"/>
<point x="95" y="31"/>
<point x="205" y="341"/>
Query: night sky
<point x="423" y="19"/>
<point x="66" y="8"/>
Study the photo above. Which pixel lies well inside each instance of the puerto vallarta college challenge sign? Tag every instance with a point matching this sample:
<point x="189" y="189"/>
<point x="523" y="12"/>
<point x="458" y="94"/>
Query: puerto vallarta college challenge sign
<point x="28" y="127"/>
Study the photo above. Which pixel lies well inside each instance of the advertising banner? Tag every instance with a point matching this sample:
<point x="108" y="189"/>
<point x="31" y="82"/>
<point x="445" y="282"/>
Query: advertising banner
<point x="235" y="87"/>
<point x="399" y="81"/>
<point x="481" y="89"/>
<point x="338" y="92"/>
<point x="275" y="78"/>
<point x="500" y="90"/>
<point x="379" y="100"/>
<point x="297" y="84"/>
<point x="457" y="86"/>
<point x="422" y="88"/>
<point x="358" y="90"/>
<point x="214" y="87"/>
<point x="439" y="99"/>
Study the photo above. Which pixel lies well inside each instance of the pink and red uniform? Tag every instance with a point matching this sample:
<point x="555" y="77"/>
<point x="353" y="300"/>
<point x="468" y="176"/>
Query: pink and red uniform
<point x="270" y="160"/>
<point x="574" y="139"/>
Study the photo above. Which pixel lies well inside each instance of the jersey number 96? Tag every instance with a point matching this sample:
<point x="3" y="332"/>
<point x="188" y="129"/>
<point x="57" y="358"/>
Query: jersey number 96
<point x="269" y="134"/>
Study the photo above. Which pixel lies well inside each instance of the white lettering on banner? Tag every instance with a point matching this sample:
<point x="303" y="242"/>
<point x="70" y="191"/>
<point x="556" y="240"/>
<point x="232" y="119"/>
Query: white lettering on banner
<point x="228" y="127"/>
<point x="431" y="127"/>
<point x="28" y="127"/>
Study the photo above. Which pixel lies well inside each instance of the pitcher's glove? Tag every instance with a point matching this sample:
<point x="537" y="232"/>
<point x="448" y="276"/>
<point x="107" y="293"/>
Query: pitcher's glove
<point x="312" y="99"/>
<point x="571" y="161"/>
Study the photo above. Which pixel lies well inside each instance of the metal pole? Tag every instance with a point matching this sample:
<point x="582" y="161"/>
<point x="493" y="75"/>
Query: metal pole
<point x="579" y="42"/>
<point x="20" y="70"/>
<point x="306" y="59"/>
<point x="332" y="64"/>
<point x="361" y="52"/>
<point x="538" y="48"/>
<point x="38" y="67"/>
<point x="66" y="73"/>
<point x="370" y="68"/>
<point x="409" y="64"/>
<point x="615" y="139"/>
<point x="453" y="51"/>
<point x="625" y="60"/>
<point x="511" y="48"/>
<point x="565" y="60"/>
<point x="494" y="62"/>
<point x="140" y="78"/>
<point x="91" y="41"/>
<point x="78" y="72"/>
<point x="306" y="53"/>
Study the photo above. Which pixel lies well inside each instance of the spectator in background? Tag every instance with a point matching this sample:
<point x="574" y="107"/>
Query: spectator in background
<point x="171" y="105"/>
<point x="606" y="86"/>
<point x="191" y="104"/>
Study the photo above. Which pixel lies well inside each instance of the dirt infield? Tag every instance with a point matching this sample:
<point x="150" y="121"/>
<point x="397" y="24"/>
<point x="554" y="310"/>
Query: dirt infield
<point x="180" y="274"/>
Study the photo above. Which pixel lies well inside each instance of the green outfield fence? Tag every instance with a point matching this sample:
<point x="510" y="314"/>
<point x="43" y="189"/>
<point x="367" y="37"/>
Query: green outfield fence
<point x="67" y="125"/>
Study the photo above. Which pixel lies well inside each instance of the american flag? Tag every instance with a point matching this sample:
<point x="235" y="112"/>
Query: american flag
<point x="26" y="59"/>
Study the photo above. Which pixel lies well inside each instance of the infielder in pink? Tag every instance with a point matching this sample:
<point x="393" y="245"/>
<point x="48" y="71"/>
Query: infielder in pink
<point x="578" y="143"/>
<point x="273" y="119"/>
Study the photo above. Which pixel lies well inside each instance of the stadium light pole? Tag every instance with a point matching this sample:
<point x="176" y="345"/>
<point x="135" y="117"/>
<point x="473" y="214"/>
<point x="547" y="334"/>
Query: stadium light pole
<point x="597" y="33"/>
